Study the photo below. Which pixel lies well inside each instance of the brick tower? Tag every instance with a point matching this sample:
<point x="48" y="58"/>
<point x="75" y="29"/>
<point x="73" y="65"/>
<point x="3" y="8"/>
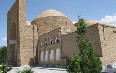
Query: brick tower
<point x="21" y="39"/>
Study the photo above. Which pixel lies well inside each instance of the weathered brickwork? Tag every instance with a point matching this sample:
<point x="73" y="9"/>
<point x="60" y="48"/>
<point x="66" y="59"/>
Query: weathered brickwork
<point x="47" y="42"/>
<point x="21" y="49"/>
<point x="93" y="35"/>
<point x="50" y="39"/>
<point x="52" y="22"/>
<point x="12" y="35"/>
<point x="108" y="43"/>
<point x="69" y="45"/>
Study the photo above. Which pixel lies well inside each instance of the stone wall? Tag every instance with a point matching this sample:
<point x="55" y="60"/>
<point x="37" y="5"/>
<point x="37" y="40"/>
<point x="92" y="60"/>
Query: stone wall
<point x="12" y="33"/>
<point x="69" y="45"/>
<point x="26" y="35"/>
<point x="48" y="42"/>
<point x="53" y="22"/>
<point x="94" y="37"/>
<point x="108" y="43"/>
<point x="26" y="42"/>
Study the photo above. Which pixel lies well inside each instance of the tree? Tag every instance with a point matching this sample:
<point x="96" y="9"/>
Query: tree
<point x="85" y="60"/>
<point x="3" y="54"/>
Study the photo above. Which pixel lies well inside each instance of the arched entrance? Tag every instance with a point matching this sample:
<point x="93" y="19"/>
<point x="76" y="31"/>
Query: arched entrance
<point x="51" y="57"/>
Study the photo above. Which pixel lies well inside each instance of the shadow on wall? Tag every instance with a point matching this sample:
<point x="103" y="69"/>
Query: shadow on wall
<point x="31" y="62"/>
<point x="36" y="58"/>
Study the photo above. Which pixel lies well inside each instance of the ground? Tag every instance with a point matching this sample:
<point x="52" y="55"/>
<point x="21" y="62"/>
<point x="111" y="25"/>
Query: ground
<point x="106" y="68"/>
<point x="40" y="70"/>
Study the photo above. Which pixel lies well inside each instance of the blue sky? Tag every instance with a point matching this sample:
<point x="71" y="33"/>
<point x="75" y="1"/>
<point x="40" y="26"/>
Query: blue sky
<point x="101" y="10"/>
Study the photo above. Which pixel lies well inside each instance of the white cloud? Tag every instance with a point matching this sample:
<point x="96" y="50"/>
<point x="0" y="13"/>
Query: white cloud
<point x="4" y="39"/>
<point x="109" y="20"/>
<point x="74" y="22"/>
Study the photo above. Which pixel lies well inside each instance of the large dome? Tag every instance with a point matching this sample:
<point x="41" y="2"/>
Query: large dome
<point x="50" y="12"/>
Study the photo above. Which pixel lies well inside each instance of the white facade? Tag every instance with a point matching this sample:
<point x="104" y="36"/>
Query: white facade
<point x="52" y="55"/>
<point x="46" y="56"/>
<point x="42" y="56"/>
<point x="58" y="52"/>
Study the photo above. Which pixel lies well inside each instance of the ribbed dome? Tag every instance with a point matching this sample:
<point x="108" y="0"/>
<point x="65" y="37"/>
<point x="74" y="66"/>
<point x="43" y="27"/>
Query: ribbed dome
<point x="50" y="12"/>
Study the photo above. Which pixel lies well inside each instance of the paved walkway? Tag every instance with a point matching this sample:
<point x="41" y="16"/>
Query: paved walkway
<point x="41" y="70"/>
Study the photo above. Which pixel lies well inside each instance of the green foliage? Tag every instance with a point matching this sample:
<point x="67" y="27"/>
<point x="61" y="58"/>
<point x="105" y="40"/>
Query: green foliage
<point x="85" y="61"/>
<point x="3" y="54"/>
<point x="26" y="71"/>
<point x="81" y="28"/>
<point x="73" y="65"/>
<point x="4" y="69"/>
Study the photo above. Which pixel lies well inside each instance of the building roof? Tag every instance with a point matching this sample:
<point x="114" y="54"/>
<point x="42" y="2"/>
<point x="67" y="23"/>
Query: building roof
<point x="50" y="12"/>
<point x="92" y="22"/>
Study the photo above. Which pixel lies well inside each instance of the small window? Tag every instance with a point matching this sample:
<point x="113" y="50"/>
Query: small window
<point x="51" y="42"/>
<point x="46" y="43"/>
<point x="41" y="44"/>
<point x="66" y="23"/>
<point x="59" y="30"/>
<point x="114" y="31"/>
<point x="57" y="40"/>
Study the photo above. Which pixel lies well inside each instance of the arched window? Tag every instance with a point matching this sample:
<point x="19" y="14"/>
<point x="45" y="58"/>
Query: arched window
<point x="52" y="55"/>
<point x="42" y="56"/>
<point x="66" y="23"/>
<point x="46" y="43"/>
<point x="51" y="42"/>
<point x="58" y="52"/>
<point x="57" y="40"/>
<point x="41" y="44"/>
<point x="46" y="56"/>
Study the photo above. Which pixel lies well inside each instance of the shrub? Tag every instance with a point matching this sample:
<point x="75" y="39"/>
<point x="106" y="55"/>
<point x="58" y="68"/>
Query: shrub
<point x="4" y="69"/>
<point x="73" y="65"/>
<point x="3" y="54"/>
<point x="26" y="71"/>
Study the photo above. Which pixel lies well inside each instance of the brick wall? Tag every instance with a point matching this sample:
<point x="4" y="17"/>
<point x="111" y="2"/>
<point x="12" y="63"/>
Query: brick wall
<point x="26" y="35"/>
<point x="69" y="45"/>
<point x="12" y="32"/>
<point x="43" y="47"/>
<point x="108" y="43"/>
<point x="47" y="24"/>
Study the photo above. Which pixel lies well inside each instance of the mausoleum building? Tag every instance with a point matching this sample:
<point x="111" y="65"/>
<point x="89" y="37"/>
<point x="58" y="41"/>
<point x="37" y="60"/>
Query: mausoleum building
<point x="50" y="39"/>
